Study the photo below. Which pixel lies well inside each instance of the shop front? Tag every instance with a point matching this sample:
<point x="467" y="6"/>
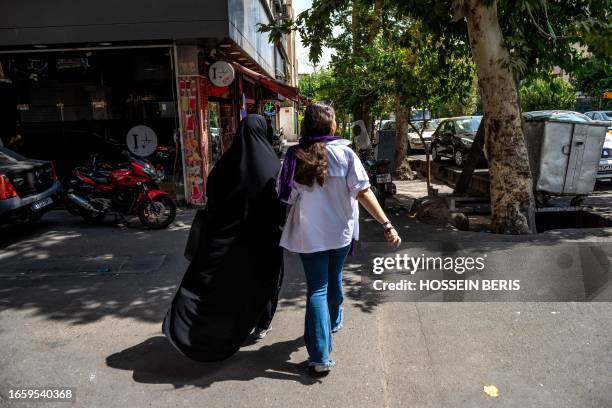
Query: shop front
<point x="71" y="105"/>
<point x="175" y="78"/>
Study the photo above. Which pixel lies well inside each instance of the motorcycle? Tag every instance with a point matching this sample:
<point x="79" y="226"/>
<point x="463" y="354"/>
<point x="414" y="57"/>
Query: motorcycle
<point x="93" y="192"/>
<point x="277" y="142"/>
<point x="381" y="182"/>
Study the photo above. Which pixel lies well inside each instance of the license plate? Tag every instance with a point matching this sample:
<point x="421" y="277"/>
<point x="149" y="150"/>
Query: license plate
<point x="383" y="178"/>
<point x="604" y="167"/>
<point x="42" y="203"/>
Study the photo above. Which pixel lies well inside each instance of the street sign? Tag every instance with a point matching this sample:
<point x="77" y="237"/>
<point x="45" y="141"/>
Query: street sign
<point x="221" y="73"/>
<point x="141" y="140"/>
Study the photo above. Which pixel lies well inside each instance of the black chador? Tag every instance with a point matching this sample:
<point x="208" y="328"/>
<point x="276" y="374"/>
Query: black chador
<point x="235" y="268"/>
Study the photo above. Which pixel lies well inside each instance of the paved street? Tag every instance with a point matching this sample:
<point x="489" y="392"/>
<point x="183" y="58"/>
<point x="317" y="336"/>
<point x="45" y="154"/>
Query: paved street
<point x="96" y="327"/>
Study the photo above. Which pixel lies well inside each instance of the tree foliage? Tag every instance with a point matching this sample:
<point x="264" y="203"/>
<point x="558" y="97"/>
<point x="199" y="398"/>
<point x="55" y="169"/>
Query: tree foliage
<point x="547" y="92"/>
<point x="382" y="58"/>
<point x="593" y="77"/>
<point x="420" y="52"/>
<point x="539" y="34"/>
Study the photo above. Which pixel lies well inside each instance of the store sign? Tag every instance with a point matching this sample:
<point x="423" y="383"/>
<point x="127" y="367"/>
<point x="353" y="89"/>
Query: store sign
<point x="221" y="73"/>
<point x="270" y="109"/>
<point x="68" y="63"/>
<point x="141" y="140"/>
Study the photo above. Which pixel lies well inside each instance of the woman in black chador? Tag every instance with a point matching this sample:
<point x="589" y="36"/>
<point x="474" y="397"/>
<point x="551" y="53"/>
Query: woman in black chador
<point x="232" y="283"/>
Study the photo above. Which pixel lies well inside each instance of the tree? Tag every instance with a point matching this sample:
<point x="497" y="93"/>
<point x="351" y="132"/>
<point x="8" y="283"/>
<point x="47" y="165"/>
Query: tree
<point x="507" y="39"/>
<point x="459" y="104"/>
<point x="324" y="85"/>
<point x="547" y="93"/>
<point x="593" y="77"/>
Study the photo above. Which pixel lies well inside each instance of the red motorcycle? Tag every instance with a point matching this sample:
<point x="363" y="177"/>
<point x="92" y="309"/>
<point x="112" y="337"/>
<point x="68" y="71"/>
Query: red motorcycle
<point x="94" y="192"/>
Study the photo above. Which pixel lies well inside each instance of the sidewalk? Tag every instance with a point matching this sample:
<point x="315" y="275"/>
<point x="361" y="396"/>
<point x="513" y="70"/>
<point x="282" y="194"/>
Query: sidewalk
<point x="100" y="333"/>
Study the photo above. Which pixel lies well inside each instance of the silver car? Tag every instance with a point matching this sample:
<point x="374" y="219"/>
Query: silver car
<point x="604" y="172"/>
<point x="605" y="116"/>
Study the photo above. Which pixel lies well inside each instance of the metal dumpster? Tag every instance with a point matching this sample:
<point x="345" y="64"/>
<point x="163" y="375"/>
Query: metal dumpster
<point x="563" y="155"/>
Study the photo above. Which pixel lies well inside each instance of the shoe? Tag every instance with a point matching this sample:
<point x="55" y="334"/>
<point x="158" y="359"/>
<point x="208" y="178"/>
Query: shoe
<point x="336" y="329"/>
<point x="260" y="333"/>
<point x="321" y="368"/>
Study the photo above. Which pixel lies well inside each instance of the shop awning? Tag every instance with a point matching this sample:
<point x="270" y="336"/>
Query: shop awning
<point x="273" y="85"/>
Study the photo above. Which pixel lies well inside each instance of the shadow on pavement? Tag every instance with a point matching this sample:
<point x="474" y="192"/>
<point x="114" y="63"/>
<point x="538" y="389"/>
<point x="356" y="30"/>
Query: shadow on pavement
<point x="156" y="361"/>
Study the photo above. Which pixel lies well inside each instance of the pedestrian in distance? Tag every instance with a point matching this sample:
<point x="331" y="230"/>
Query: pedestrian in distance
<point x="323" y="180"/>
<point x="231" y="285"/>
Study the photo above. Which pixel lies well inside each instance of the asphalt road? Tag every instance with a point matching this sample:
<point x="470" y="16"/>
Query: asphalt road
<point x="98" y="331"/>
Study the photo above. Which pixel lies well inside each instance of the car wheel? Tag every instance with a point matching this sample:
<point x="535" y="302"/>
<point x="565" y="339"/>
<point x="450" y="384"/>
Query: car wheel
<point x="434" y="154"/>
<point x="459" y="157"/>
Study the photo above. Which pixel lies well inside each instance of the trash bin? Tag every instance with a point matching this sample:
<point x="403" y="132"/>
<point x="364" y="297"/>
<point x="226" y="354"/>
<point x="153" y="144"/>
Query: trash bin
<point x="564" y="155"/>
<point x="386" y="147"/>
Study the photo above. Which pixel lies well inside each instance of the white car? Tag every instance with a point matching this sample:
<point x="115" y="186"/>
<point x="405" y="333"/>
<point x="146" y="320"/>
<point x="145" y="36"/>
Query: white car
<point x="414" y="141"/>
<point x="604" y="172"/>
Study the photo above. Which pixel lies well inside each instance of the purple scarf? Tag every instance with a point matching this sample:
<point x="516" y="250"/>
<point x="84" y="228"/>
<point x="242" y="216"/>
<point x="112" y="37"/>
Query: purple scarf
<point x="290" y="163"/>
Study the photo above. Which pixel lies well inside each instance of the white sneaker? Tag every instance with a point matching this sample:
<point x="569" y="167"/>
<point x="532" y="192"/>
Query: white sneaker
<point x="321" y="368"/>
<point x="261" y="333"/>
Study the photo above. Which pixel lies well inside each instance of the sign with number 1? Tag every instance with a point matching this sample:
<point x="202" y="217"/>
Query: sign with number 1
<point x="141" y="140"/>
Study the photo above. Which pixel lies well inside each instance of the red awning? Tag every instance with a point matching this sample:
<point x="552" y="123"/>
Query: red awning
<point x="273" y="85"/>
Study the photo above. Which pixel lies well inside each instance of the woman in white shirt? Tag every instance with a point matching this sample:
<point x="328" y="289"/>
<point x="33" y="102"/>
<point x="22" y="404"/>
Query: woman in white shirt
<point x="323" y="179"/>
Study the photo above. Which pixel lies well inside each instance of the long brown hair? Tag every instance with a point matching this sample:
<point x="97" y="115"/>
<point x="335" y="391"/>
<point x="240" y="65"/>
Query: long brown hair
<point x="318" y="120"/>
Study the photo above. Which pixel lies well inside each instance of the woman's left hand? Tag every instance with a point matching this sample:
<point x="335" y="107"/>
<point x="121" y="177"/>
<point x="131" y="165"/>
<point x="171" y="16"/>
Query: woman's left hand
<point x="393" y="237"/>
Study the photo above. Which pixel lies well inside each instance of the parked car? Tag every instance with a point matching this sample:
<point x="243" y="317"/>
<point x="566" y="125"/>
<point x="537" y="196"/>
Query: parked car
<point x="28" y="188"/>
<point x="606" y="116"/>
<point x="454" y="137"/>
<point x="414" y="141"/>
<point x="604" y="172"/>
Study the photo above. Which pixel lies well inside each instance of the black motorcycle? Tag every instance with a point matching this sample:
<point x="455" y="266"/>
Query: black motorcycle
<point x="381" y="181"/>
<point x="277" y="142"/>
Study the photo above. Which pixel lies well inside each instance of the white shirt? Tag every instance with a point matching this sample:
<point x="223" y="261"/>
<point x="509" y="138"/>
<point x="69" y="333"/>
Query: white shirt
<point x="327" y="217"/>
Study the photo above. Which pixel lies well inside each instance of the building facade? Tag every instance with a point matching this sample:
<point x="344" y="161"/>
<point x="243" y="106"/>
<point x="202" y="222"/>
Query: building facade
<point x="82" y="78"/>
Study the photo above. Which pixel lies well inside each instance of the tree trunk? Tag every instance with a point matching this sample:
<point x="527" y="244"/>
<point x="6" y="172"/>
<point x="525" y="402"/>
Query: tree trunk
<point x="360" y="14"/>
<point x="512" y="203"/>
<point x="472" y="161"/>
<point x="401" y="132"/>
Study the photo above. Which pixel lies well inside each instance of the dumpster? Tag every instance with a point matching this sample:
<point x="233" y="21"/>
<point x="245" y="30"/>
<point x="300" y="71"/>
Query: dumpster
<point x="564" y="156"/>
<point x="385" y="148"/>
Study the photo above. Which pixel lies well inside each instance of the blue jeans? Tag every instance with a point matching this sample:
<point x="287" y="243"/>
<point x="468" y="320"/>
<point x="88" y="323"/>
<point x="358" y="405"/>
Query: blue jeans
<point x="323" y="272"/>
